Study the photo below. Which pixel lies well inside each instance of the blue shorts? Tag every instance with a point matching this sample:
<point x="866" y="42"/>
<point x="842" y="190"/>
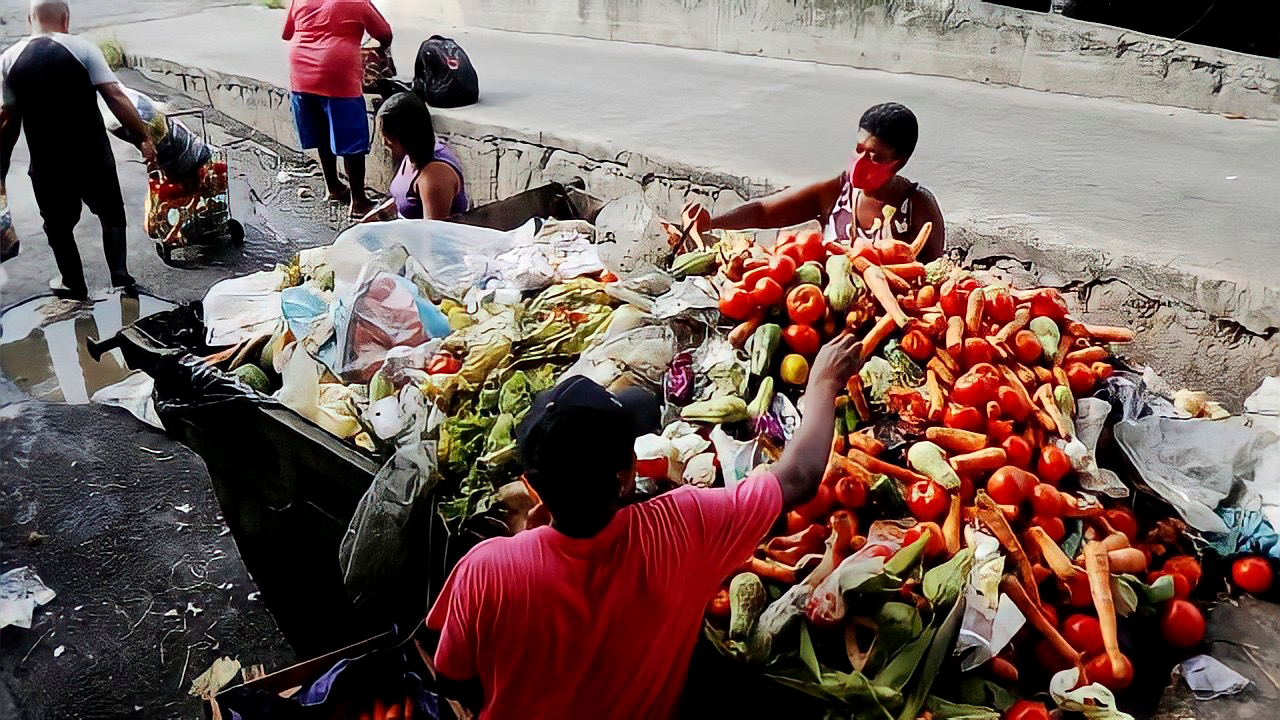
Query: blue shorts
<point x="339" y="124"/>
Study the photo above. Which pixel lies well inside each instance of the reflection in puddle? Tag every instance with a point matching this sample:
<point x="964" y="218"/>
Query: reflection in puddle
<point x="42" y="344"/>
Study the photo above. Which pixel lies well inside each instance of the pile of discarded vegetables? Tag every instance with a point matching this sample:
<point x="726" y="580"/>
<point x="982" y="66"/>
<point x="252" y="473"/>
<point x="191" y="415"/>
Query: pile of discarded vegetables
<point x="951" y="529"/>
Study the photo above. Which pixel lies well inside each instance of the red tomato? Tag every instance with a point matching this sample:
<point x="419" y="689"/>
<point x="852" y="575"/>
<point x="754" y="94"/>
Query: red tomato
<point x="812" y="249"/>
<point x="1080" y="379"/>
<point x="1078" y="593"/>
<point x="976" y="350"/>
<point x="1054" y="464"/>
<point x="1049" y="658"/>
<point x="736" y="303"/>
<point x="805" y="304"/>
<point x="1017" y="451"/>
<point x="1184" y="565"/>
<point x="1049" y="303"/>
<point x="652" y="467"/>
<point x="1027" y="347"/>
<point x="936" y="545"/>
<point x="917" y="345"/>
<point x="782" y="269"/>
<point x="1124" y="521"/>
<point x="977" y="386"/>
<point x="953" y="300"/>
<point x="1027" y="710"/>
<point x="1046" y="501"/>
<point x="1083" y="633"/>
<point x="999" y="306"/>
<point x="753" y="276"/>
<point x="767" y="292"/>
<point x="1011" y="404"/>
<point x="1181" y="624"/>
<point x="1181" y="586"/>
<point x="1004" y="489"/>
<point x="802" y="339"/>
<point x="962" y="417"/>
<point x="851" y="493"/>
<point x="796" y="522"/>
<point x="999" y="430"/>
<point x="1252" y="574"/>
<point x="1050" y="613"/>
<point x="927" y="500"/>
<point x="967" y="490"/>
<point x="785" y="237"/>
<point x="1099" y="670"/>
<point x="1052" y="526"/>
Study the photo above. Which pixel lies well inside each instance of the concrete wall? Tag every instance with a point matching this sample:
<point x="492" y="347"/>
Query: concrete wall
<point x="967" y="39"/>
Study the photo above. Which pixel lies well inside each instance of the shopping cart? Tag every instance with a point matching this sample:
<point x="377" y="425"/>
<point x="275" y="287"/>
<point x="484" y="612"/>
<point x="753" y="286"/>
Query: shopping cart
<point x="192" y="210"/>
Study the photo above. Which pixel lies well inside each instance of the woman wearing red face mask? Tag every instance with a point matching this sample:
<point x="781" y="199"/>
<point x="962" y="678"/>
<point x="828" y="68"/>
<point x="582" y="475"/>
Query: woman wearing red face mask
<point x="849" y="204"/>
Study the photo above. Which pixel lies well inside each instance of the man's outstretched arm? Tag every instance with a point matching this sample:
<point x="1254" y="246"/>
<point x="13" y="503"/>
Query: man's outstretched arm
<point x="800" y="469"/>
<point x="127" y="114"/>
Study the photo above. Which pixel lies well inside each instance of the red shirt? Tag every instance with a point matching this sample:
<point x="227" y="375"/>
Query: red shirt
<point x="324" y="45"/>
<point x="602" y="627"/>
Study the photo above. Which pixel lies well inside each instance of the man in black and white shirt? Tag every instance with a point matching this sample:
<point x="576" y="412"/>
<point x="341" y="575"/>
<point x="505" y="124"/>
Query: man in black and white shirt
<point x="50" y="82"/>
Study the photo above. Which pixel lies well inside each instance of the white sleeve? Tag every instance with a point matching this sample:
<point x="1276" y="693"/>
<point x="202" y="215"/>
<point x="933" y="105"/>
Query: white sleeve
<point x="6" y="64"/>
<point x="91" y="57"/>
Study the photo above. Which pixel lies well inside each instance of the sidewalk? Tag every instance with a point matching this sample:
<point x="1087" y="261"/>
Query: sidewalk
<point x="1121" y="186"/>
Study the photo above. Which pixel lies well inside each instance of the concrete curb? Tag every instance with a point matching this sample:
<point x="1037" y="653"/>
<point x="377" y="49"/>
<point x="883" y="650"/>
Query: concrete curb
<point x="1202" y="331"/>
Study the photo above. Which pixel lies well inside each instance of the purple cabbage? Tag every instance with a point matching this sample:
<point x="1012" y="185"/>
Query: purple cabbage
<point x="678" y="380"/>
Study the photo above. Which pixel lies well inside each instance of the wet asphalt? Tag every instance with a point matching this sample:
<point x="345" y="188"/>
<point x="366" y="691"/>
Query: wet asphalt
<point x="117" y="518"/>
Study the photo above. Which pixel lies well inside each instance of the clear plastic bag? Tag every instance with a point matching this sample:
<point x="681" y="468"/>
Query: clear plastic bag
<point x="179" y="151"/>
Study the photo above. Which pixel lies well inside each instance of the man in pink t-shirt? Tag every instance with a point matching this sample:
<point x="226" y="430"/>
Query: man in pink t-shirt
<point x="596" y="615"/>
<point x="326" y="77"/>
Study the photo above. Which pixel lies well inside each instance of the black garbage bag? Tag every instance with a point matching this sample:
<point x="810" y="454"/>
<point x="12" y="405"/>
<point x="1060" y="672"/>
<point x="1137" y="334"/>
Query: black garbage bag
<point x="184" y="382"/>
<point x="443" y="75"/>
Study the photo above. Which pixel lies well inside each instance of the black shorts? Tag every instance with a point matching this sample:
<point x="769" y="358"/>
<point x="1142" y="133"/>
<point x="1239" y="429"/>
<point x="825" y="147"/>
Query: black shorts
<point x="60" y="194"/>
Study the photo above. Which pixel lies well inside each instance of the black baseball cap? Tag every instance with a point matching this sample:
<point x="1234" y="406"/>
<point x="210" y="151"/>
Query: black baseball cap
<point x="632" y="412"/>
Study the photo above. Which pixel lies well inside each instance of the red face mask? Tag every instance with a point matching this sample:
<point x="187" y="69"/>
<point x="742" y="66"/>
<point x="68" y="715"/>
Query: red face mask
<point x="868" y="174"/>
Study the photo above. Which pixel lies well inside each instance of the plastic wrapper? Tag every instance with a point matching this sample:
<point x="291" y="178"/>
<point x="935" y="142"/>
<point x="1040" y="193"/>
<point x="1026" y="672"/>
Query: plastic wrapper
<point x="636" y="357"/>
<point x="242" y="308"/>
<point x="383" y="537"/>
<point x="561" y="250"/>
<point x="184" y="383"/>
<point x="332" y="406"/>
<point x="21" y="592"/>
<point x="134" y="395"/>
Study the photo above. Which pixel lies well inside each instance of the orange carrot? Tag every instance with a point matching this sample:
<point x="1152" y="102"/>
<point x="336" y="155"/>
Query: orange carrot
<point x="1099" y="569"/>
<point x="991" y="515"/>
<point x="927" y="296"/>
<point x="1030" y="607"/>
<point x="922" y="238"/>
<point x="947" y="358"/>
<point x="1109" y="333"/>
<point x="1064" y="346"/>
<point x="979" y="461"/>
<point x="859" y="397"/>
<point x="1127" y="560"/>
<point x="907" y="271"/>
<point x="973" y="313"/>
<point x="876" y="465"/>
<point x="1102" y="370"/>
<point x="936" y="400"/>
<point x="885" y="324"/>
<point x="1060" y="376"/>
<point x="769" y="570"/>
<point x="866" y="443"/>
<point x="878" y="283"/>
<point x="940" y="370"/>
<point x="1025" y="375"/>
<point x="951" y="526"/>
<point x="954" y="440"/>
<point x="955" y="335"/>
<point x="1004" y="670"/>
<point x="1088" y="356"/>
<point x="1043" y="375"/>
<point x="1052" y="553"/>
<point x="1021" y="317"/>
<point x="739" y="335"/>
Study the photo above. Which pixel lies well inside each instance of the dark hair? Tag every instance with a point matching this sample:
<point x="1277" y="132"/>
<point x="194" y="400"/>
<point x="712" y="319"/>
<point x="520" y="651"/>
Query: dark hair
<point x="406" y="118"/>
<point x="895" y="125"/>
<point x="575" y="468"/>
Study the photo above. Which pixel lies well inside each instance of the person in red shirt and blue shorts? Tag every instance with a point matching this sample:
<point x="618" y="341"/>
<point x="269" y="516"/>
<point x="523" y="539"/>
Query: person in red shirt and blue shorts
<point x="596" y="614"/>
<point x="326" y="77"/>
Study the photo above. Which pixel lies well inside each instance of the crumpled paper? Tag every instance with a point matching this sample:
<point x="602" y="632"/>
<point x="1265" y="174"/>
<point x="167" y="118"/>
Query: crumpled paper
<point x="21" y="592"/>
<point x="990" y="617"/>
<point x="1209" y="678"/>
<point x="1094" y="701"/>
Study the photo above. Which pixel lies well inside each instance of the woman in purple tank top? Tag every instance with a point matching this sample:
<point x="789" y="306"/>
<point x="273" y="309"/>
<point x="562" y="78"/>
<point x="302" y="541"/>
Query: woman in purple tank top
<point x="428" y="181"/>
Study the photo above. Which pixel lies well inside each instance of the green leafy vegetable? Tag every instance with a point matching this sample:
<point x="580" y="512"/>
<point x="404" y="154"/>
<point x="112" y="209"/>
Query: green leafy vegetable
<point x="943" y="584"/>
<point x="877" y="377"/>
<point x="943" y="640"/>
<point x="906" y="373"/>
<point x="947" y="710"/>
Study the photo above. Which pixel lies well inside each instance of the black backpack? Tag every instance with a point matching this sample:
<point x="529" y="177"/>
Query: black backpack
<point x="443" y="75"/>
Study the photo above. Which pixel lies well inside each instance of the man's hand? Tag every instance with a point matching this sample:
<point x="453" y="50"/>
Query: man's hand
<point x="148" y="149"/>
<point x="800" y="468"/>
<point x="836" y="362"/>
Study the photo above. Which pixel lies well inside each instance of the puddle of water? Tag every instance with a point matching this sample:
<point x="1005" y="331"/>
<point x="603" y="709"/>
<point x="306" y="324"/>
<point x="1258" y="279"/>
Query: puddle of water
<point x="42" y="344"/>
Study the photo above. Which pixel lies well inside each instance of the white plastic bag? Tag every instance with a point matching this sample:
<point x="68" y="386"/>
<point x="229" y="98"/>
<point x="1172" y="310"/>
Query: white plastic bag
<point x="242" y="308"/>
